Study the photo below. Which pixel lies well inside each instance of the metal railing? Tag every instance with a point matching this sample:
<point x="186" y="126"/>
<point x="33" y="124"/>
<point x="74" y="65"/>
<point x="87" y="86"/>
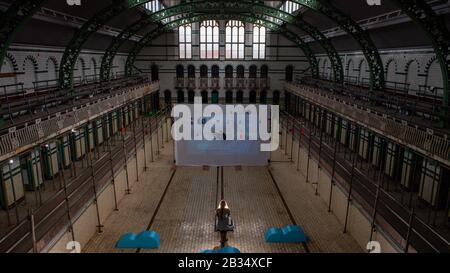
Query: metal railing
<point x="45" y="225"/>
<point x="425" y="142"/>
<point x="22" y="139"/>
<point x="402" y="224"/>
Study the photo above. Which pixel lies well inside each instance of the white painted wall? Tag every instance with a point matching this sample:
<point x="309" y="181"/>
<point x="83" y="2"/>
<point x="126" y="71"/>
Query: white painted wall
<point x="34" y="63"/>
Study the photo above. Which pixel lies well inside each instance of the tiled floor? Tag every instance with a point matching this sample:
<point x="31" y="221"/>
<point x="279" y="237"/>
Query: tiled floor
<point x="185" y="220"/>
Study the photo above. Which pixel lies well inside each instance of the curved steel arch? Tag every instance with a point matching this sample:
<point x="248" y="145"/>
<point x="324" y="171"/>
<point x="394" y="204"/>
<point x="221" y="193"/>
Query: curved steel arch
<point x="434" y="26"/>
<point x="198" y="18"/>
<point x="207" y="6"/>
<point x="262" y="10"/>
<point x="12" y="19"/>
<point x="345" y="22"/>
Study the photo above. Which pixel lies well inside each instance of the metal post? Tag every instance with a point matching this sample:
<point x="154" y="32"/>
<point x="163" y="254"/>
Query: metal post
<point x="125" y="166"/>
<point x="113" y="177"/>
<point x="299" y="146"/>
<point x="157" y="134"/>
<point x="143" y="143"/>
<point x="332" y="177"/>
<point x="151" y="137"/>
<point x="292" y="139"/>
<point x="33" y="231"/>
<point x="99" y="226"/>
<point x="309" y="154"/>
<point x="408" y="234"/>
<point x="349" y="196"/>
<point x="135" y="151"/>
<point x="319" y="167"/>
<point x="16" y="209"/>
<point x="66" y="199"/>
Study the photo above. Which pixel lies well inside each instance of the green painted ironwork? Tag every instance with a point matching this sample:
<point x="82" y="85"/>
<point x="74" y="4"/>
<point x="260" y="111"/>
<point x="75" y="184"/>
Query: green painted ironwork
<point x="351" y="27"/>
<point x="254" y="9"/>
<point x="73" y="49"/>
<point x="13" y="19"/>
<point x="210" y="16"/>
<point x="434" y="26"/>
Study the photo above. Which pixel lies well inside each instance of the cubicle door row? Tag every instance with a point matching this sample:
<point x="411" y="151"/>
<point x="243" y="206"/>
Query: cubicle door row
<point x="412" y="171"/>
<point x="28" y="171"/>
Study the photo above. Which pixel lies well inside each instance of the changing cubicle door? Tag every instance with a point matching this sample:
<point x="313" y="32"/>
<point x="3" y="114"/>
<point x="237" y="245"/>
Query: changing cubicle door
<point x="50" y="153"/>
<point x="12" y="189"/>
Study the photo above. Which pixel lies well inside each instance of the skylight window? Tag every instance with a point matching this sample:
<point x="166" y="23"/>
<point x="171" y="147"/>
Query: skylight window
<point x="154" y="6"/>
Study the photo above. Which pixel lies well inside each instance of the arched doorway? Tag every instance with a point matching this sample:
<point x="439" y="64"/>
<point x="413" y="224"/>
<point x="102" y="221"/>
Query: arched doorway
<point x="215" y="71"/>
<point x="229" y="97"/>
<point x="191" y="71"/>
<point x="264" y="72"/>
<point x="263" y="97"/>
<point x="180" y="96"/>
<point x="180" y="71"/>
<point x="215" y="97"/>
<point x="229" y="72"/>
<point x="239" y="96"/>
<point x="203" y="71"/>
<point x="167" y="97"/>
<point x="252" y="71"/>
<point x="276" y="97"/>
<point x="252" y="97"/>
<point x="204" y="96"/>
<point x="289" y="76"/>
<point x="240" y="72"/>
<point x="155" y="72"/>
<point x="191" y="96"/>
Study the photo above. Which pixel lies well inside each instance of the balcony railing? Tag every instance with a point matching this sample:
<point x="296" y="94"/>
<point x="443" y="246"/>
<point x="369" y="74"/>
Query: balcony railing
<point x="226" y="83"/>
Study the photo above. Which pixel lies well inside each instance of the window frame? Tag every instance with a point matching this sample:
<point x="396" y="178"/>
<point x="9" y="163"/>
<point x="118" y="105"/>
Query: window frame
<point x="259" y="46"/>
<point x="209" y="37"/>
<point x="185" y="42"/>
<point x="234" y="40"/>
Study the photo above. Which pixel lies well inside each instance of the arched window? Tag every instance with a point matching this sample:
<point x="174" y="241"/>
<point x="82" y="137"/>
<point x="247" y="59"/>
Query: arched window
<point x="209" y="40"/>
<point x="185" y="41"/>
<point x="9" y="69"/>
<point x="153" y="6"/>
<point x="191" y="96"/>
<point x="252" y="71"/>
<point x="264" y="72"/>
<point x="239" y="96"/>
<point x="289" y="73"/>
<point x="52" y="69"/>
<point x="180" y="71"/>
<point x="229" y="96"/>
<point x="259" y="42"/>
<point x="79" y="70"/>
<point x="30" y="75"/>
<point x="204" y="96"/>
<point x="191" y="71"/>
<point x="93" y="69"/>
<point x="215" y="71"/>
<point x="155" y="72"/>
<point x="240" y="72"/>
<point x="228" y="71"/>
<point x="180" y="96"/>
<point x="234" y="40"/>
<point x="203" y="71"/>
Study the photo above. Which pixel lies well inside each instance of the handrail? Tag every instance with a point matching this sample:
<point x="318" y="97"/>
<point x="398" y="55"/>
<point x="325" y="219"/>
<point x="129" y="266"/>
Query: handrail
<point x="422" y="141"/>
<point x="22" y="139"/>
